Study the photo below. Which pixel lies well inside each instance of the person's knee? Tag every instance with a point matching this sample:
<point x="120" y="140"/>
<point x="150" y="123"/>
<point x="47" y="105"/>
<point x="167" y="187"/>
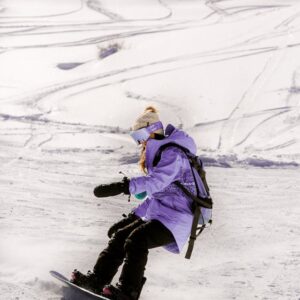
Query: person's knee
<point x="136" y="242"/>
<point x="121" y="224"/>
<point x="118" y="239"/>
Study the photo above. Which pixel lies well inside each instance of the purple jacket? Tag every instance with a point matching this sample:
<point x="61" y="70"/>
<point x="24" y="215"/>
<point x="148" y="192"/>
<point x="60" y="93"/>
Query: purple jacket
<point x="166" y="202"/>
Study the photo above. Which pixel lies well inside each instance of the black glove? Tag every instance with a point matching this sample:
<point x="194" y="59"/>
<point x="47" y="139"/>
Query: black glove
<point x="112" y="189"/>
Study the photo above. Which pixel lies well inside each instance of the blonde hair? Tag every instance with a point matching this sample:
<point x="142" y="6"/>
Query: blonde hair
<point x="145" y="118"/>
<point x="142" y="161"/>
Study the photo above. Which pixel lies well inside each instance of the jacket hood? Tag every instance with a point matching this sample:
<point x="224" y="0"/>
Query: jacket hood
<point x="172" y="135"/>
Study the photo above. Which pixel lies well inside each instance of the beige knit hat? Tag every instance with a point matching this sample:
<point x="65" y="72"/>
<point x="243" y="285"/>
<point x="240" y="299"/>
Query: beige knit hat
<point x="149" y="117"/>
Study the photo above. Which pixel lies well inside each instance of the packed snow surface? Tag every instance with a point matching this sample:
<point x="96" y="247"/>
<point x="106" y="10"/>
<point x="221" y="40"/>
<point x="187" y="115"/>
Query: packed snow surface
<point x="74" y="75"/>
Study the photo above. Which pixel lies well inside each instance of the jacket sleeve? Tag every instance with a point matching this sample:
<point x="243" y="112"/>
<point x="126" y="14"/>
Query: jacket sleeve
<point x="166" y="172"/>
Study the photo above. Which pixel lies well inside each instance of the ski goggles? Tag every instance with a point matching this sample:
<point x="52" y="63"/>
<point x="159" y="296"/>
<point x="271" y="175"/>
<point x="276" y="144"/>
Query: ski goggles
<point x="143" y="134"/>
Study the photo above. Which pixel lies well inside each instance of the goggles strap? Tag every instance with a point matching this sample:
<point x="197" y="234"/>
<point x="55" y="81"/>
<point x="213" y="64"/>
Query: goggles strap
<point x="155" y="126"/>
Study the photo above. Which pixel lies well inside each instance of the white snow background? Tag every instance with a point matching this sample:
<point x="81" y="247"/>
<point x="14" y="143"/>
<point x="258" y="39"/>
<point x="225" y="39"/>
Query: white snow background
<point x="73" y="77"/>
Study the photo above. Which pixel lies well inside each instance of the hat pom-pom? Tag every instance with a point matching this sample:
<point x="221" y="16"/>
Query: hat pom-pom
<point x="151" y="109"/>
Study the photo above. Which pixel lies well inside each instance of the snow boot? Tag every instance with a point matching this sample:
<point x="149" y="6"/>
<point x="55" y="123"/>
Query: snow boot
<point x="89" y="281"/>
<point x="119" y="293"/>
<point x="115" y="293"/>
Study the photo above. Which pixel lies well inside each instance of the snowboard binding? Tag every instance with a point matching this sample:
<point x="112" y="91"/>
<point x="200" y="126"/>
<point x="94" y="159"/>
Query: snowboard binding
<point x="89" y="281"/>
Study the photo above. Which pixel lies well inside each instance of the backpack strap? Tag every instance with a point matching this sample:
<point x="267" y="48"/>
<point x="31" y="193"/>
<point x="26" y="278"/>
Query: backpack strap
<point x="198" y="201"/>
<point x="204" y="202"/>
<point x="194" y="234"/>
<point x="198" y="165"/>
<point x="157" y="156"/>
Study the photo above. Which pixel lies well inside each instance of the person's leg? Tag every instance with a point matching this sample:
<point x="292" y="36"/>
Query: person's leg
<point x="146" y="236"/>
<point x="113" y="255"/>
<point x="110" y="258"/>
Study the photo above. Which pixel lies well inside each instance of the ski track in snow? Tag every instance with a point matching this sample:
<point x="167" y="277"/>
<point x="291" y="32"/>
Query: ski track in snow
<point x="51" y="160"/>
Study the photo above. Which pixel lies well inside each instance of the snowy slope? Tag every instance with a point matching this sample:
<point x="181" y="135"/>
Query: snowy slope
<point x="73" y="77"/>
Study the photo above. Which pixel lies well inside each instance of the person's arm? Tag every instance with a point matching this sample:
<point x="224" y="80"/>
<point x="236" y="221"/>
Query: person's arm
<point x="162" y="175"/>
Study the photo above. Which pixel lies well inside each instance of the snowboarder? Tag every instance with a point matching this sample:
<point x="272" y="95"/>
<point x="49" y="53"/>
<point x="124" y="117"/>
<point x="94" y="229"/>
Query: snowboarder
<point x="164" y="218"/>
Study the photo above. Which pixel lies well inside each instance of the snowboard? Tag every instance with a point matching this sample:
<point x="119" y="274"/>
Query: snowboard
<point x="87" y="294"/>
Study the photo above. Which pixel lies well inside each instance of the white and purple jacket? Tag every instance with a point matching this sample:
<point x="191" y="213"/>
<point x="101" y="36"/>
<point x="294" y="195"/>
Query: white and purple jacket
<point x="166" y="202"/>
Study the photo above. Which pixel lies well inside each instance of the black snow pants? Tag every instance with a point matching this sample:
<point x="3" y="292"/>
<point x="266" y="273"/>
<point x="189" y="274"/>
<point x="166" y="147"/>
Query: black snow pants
<point x="130" y="240"/>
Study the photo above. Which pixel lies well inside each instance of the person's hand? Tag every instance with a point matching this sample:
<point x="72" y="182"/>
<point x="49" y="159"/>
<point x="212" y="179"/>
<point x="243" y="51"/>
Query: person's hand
<point x="112" y="189"/>
<point x="126" y="221"/>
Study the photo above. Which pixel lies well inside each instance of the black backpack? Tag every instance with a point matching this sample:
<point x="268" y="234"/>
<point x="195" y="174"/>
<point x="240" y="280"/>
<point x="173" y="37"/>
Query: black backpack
<point x="198" y="200"/>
